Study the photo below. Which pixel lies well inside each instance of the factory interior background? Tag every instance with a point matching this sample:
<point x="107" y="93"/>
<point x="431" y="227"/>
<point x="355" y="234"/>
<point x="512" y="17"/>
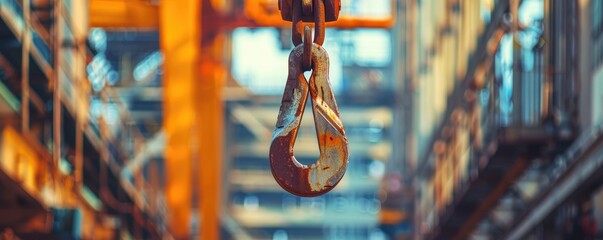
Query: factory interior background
<point x="153" y="119"/>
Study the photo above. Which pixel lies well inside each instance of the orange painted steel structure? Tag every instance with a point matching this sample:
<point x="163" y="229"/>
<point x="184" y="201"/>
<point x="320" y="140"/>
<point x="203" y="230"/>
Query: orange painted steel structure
<point x="192" y="89"/>
<point x="142" y="14"/>
<point x="124" y="14"/>
<point x="180" y="32"/>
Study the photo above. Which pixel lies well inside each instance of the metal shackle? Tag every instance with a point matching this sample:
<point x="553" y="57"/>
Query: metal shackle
<point x="331" y="10"/>
<point x="323" y="175"/>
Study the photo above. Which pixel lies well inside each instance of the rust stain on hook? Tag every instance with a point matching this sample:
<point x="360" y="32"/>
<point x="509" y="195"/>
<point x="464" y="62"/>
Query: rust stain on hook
<point x="322" y="176"/>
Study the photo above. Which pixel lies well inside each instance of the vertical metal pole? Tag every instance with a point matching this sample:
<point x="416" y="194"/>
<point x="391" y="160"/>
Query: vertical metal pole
<point x="79" y="155"/>
<point x="79" y="115"/>
<point x="80" y="30"/>
<point x="210" y="135"/>
<point x="585" y="82"/>
<point x="57" y="112"/>
<point x="26" y="41"/>
<point x="180" y="41"/>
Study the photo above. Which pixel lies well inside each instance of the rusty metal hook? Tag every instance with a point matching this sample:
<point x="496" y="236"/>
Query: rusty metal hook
<point x="322" y="176"/>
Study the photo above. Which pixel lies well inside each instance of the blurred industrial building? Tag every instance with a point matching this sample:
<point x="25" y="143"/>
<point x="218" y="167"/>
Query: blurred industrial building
<point x="152" y="119"/>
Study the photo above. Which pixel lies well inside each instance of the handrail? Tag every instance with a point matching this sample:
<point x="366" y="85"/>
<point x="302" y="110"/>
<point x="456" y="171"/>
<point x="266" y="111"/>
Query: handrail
<point x="583" y="159"/>
<point x="456" y="99"/>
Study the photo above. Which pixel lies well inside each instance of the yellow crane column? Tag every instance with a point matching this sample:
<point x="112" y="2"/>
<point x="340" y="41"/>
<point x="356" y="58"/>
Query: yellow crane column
<point x="192" y="116"/>
<point x="180" y="39"/>
<point x="210" y="122"/>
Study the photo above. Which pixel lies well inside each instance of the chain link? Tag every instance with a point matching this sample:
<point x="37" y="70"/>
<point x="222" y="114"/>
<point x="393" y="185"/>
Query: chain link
<point x="298" y="25"/>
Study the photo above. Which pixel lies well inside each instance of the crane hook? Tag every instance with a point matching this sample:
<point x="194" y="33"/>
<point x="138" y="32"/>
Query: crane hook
<point x="322" y="176"/>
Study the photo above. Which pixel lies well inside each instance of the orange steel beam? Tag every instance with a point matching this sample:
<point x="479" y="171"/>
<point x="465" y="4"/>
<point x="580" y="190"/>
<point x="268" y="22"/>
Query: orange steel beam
<point x="180" y="37"/>
<point x="266" y="13"/>
<point x="209" y="106"/>
<point x="209" y="124"/>
<point x="143" y="15"/>
<point x="391" y="216"/>
<point x="193" y="114"/>
<point x="123" y="14"/>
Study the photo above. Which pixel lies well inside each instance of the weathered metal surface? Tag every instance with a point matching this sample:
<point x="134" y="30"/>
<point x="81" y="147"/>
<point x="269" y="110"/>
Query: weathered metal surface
<point x="297" y="28"/>
<point x="257" y="13"/>
<point x="331" y="10"/>
<point x="307" y="7"/>
<point x="322" y="176"/>
<point x="307" y="56"/>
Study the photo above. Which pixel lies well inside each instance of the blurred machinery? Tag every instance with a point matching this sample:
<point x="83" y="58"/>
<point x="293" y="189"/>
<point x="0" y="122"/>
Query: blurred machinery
<point x="500" y="134"/>
<point x="62" y="162"/>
